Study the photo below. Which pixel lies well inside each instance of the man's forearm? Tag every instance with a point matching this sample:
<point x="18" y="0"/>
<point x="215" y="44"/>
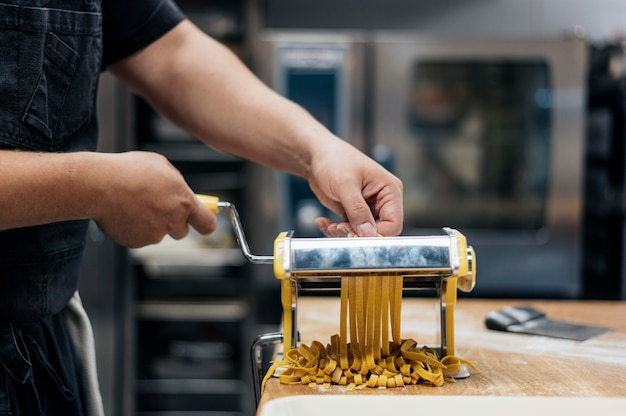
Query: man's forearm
<point x="35" y="187"/>
<point x="206" y="89"/>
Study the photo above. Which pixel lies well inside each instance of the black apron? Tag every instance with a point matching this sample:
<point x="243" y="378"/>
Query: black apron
<point x="50" y="55"/>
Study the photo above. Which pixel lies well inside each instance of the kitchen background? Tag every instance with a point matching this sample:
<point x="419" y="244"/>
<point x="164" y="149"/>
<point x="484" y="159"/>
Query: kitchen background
<point x="174" y="322"/>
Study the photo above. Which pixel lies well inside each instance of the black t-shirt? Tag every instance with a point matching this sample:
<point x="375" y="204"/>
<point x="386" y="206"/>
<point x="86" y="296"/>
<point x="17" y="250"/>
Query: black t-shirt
<point x="130" y="25"/>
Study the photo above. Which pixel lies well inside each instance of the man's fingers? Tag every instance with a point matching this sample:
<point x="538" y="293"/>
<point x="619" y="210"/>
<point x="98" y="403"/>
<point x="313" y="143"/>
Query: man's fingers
<point x="202" y="219"/>
<point x="179" y="233"/>
<point x="388" y="228"/>
<point x="331" y="229"/>
<point x="360" y="215"/>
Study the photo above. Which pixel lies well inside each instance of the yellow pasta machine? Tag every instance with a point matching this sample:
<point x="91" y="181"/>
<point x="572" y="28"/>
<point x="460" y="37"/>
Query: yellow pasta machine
<point x="444" y="263"/>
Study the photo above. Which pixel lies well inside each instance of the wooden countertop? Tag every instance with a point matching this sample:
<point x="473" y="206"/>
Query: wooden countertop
<point x="511" y="364"/>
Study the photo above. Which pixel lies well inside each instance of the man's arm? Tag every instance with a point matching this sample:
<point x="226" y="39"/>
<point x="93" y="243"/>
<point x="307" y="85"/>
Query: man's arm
<point x="35" y="185"/>
<point x="135" y="197"/>
<point x="200" y="85"/>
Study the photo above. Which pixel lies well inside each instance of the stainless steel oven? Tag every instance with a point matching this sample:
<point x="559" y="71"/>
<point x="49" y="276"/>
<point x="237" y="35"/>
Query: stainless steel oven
<point x="488" y="137"/>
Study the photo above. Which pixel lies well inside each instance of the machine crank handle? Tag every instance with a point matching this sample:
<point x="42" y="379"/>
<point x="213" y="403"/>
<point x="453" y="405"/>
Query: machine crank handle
<point x="214" y="204"/>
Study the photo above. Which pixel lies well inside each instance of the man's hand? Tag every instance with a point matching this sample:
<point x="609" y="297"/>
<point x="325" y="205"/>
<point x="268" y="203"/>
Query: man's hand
<point x="355" y="187"/>
<point x="147" y="198"/>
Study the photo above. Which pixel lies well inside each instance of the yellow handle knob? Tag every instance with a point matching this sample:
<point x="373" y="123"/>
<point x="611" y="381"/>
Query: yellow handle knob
<point x="210" y="202"/>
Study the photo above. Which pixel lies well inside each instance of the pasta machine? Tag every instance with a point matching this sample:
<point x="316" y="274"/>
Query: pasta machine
<point x="444" y="263"/>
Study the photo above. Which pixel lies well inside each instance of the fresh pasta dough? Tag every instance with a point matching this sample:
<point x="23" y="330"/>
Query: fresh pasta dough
<point x="369" y="350"/>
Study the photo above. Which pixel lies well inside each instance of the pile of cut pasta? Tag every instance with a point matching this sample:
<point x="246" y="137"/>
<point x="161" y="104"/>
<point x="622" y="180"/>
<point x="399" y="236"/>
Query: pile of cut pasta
<point x="368" y="351"/>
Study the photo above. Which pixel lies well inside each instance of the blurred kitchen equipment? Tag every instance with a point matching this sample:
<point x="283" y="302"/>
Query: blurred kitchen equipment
<point x="323" y="73"/>
<point x="496" y="128"/>
<point x="605" y="174"/>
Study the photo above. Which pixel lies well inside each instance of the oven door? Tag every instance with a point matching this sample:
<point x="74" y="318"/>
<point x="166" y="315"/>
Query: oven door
<point x="487" y="137"/>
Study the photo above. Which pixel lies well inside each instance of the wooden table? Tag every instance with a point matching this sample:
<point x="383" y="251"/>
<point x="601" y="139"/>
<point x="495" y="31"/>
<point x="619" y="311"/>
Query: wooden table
<point x="511" y="364"/>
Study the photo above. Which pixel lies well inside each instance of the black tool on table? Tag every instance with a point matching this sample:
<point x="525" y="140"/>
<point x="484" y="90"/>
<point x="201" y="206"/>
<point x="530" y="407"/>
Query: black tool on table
<point x="528" y="320"/>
